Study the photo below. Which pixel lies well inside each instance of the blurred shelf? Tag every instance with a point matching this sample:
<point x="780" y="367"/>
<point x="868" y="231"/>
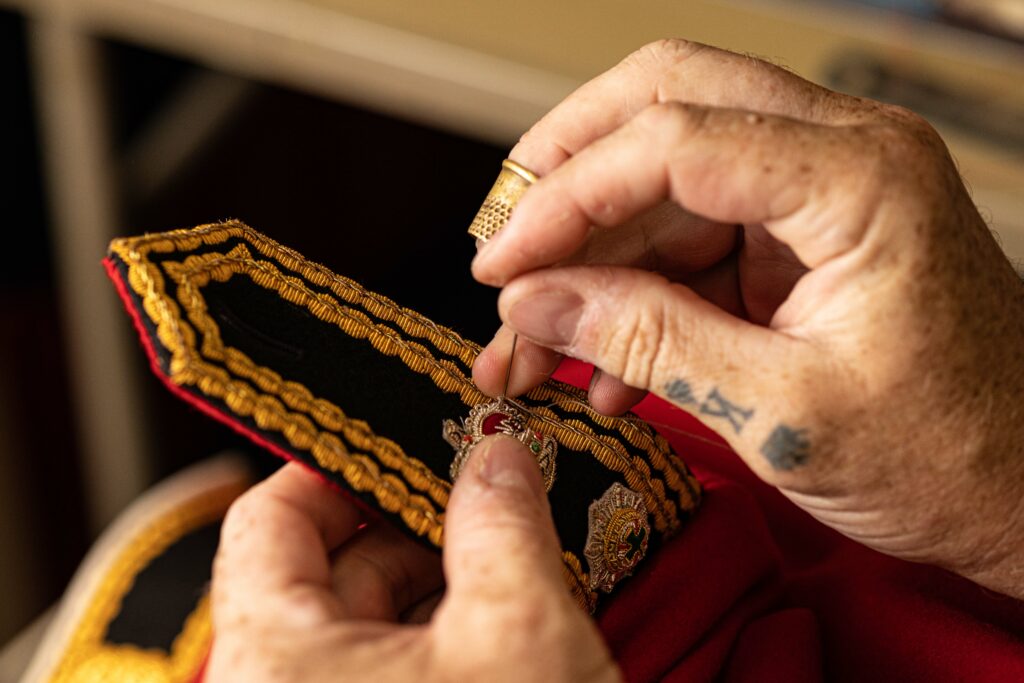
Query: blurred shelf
<point x="489" y="69"/>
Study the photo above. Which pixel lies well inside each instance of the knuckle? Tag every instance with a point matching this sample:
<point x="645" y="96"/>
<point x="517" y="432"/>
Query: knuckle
<point x="672" y="120"/>
<point x="897" y="144"/>
<point x="306" y="608"/>
<point x="912" y="122"/>
<point x="240" y="517"/>
<point x="907" y="140"/>
<point x="661" y="54"/>
<point x="539" y="147"/>
<point x="639" y="346"/>
<point x="643" y="346"/>
<point x="529" y="136"/>
<point x="882" y="158"/>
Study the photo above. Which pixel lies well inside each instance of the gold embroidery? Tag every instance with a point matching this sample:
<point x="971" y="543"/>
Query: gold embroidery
<point x="579" y="582"/>
<point x="360" y="471"/>
<point x="194" y="274"/>
<point x="508" y="419"/>
<point x="260" y="393"/>
<point x="88" y="659"/>
<point x="196" y="271"/>
<point x="618" y="536"/>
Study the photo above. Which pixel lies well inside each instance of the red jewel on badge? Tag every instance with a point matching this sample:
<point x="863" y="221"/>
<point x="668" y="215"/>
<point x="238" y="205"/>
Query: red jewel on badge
<point x="499" y="417"/>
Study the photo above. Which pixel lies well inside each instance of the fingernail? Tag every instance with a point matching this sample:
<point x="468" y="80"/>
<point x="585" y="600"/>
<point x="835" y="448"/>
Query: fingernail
<point x="505" y="462"/>
<point x="480" y="261"/>
<point x="548" y="318"/>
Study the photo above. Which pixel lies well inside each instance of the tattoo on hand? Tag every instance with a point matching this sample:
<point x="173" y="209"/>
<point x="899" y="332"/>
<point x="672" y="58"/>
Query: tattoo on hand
<point x="786" y="448"/>
<point x="679" y="390"/>
<point x="715" y="405"/>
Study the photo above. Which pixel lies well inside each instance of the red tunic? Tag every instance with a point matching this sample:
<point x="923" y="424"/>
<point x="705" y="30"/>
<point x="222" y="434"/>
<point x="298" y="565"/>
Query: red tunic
<point x="755" y="589"/>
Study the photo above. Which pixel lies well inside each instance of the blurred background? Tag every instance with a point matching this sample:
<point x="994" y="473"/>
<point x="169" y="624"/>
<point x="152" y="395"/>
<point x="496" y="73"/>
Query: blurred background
<point x="364" y="133"/>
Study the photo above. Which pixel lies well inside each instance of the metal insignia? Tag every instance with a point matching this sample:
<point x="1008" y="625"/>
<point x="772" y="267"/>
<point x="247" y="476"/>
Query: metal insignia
<point x="618" y="536"/>
<point x="499" y="417"/>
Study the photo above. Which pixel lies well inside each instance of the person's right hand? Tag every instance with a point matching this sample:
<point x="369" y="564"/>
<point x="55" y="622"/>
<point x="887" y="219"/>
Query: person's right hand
<point x="803" y="271"/>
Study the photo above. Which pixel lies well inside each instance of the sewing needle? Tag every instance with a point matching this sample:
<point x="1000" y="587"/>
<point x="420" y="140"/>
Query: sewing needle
<point x="508" y="370"/>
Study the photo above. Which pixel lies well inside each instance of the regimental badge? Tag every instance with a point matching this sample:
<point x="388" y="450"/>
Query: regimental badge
<point x="618" y="536"/>
<point x="499" y="417"/>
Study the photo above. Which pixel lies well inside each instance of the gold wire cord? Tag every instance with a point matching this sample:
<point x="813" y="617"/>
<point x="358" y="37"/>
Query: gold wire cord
<point x="88" y="659"/>
<point x="196" y="273"/>
<point x="579" y="581"/>
<point x="448" y="378"/>
<point x="264" y="402"/>
<point x="574" y="434"/>
<point x="186" y="368"/>
<point x="566" y="397"/>
<point x="447" y="340"/>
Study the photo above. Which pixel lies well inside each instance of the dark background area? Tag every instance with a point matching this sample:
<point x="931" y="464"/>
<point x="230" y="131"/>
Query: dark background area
<point x="374" y="198"/>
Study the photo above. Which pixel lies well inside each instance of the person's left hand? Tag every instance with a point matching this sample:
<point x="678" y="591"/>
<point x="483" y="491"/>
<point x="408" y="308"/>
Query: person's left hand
<point x="302" y="593"/>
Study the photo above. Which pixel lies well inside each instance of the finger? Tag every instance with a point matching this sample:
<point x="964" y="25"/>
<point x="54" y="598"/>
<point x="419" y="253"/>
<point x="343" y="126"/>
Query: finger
<point x="381" y="572"/>
<point x="677" y="70"/>
<point x="656" y="335"/>
<point x="531" y="366"/>
<point x="501" y="551"/>
<point x="730" y="166"/>
<point x="611" y="396"/>
<point x="274" y="544"/>
<point x="666" y="239"/>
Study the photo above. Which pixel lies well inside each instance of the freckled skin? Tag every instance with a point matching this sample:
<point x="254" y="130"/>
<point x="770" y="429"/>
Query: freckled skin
<point x="867" y="307"/>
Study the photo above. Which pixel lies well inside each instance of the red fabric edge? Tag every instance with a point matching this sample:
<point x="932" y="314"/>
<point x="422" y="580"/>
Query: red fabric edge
<point x="206" y="408"/>
<point x="198" y="403"/>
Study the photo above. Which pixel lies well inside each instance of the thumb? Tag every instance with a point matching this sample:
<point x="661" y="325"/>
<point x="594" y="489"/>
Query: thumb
<point x="733" y="375"/>
<point x="500" y="542"/>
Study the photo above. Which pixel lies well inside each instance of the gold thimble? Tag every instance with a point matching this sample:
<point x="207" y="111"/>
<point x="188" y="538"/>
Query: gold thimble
<point x="509" y="188"/>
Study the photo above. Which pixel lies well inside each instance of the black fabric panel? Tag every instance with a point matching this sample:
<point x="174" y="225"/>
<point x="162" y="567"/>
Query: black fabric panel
<point x="166" y="591"/>
<point x="367" y="385"/>
<point x="227" y="245"/>
<point x="399" y="404"/>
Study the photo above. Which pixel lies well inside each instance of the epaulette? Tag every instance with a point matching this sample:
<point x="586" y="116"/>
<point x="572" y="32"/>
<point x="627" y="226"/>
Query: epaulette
<point x="138" y="607"/>
<point x="379" y="399"/>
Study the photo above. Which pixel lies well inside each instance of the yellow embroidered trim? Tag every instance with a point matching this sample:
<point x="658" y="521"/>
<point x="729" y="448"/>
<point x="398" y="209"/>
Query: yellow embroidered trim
<point x="186" y="368"/>
<point x="359" y="470"/>
<point x="88" y="659"/>
<point x="195" y="273"/>
<point x="579" y="582"/>
<point x="446" y="340"/>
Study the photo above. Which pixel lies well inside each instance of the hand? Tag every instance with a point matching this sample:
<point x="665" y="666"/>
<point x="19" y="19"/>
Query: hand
<point x="824" y="294"/>
<point x="302" y="593"/>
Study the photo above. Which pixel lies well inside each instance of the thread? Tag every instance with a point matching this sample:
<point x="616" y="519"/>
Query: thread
<point x="637" y="420"/>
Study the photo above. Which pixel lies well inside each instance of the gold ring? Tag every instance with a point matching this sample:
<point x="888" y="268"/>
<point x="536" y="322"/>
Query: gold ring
<point x="512" y="183"/>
